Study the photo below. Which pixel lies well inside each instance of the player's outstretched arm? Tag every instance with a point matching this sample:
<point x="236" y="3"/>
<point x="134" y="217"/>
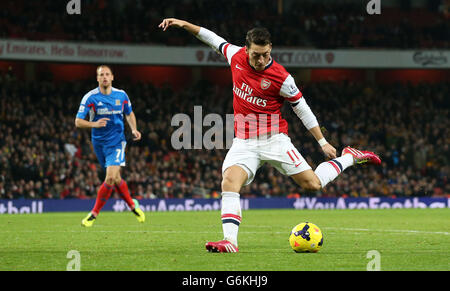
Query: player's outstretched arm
<point x="173" y="22"/>
<point x="206" y="36"/>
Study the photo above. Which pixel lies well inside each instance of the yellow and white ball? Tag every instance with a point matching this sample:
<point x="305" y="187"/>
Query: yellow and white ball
<point x="306" y="237"/>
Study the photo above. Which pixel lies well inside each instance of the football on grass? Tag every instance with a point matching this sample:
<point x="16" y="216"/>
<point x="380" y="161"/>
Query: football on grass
<point x="306" y="237"/>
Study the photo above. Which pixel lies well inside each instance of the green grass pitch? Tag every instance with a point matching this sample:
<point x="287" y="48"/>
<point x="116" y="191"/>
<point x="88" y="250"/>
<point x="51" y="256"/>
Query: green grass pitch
<point x="406" y="239"/>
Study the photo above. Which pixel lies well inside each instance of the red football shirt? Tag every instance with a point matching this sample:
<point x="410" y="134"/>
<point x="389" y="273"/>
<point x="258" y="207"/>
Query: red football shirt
<point x="258" y="95"/>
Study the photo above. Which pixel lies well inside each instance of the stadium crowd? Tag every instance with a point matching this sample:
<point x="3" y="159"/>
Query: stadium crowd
<point x="43" y="155"/>
<point x="317" y="24"/>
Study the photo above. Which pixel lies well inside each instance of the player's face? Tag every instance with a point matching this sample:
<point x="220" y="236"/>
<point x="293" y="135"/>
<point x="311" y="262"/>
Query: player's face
<point x="104" y="77"/>
<point x="259" y="55"/>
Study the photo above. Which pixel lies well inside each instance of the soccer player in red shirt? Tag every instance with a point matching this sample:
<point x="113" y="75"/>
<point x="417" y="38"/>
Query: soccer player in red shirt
<point x="260" y="87"/>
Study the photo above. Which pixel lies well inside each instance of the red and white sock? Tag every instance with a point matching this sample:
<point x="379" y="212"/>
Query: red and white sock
<point x="231" y="216"/>
<point x="328" y="171"/>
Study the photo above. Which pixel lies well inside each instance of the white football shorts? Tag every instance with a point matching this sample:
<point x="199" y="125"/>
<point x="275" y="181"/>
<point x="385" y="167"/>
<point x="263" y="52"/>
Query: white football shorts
<point x="277" y="150"/>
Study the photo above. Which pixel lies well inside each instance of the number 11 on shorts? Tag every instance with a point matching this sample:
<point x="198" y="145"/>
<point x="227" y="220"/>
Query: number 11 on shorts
<point x="296" y="160"/>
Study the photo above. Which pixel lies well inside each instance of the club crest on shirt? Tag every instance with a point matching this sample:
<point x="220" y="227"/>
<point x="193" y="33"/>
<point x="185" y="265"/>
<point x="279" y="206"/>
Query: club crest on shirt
<point x="265" y="84"/>
<point x="117" y="101"/>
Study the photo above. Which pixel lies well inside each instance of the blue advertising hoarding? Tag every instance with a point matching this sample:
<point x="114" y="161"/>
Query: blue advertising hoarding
<point x="23" y="206"/>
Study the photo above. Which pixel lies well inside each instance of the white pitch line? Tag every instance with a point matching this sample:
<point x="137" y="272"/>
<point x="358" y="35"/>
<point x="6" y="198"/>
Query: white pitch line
<point x="367" y="230"/>
<point x="389" y="230"/>
<point x="214" y="232"/>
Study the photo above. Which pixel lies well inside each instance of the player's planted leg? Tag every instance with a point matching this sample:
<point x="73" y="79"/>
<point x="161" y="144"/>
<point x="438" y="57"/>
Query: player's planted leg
<point x="231" y="214"/>
<point x="103" y="195"/>
<point x="88" y="221"/>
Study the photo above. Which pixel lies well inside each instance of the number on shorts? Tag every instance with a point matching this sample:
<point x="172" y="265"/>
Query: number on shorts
<point x="293" y="155"/>
<point x="119" y="151"/>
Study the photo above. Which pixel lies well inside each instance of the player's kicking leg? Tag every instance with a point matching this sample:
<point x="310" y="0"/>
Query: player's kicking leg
<point x="233" y="179"/>
<point x="328" y="171"/>
<point x="361" y="157"/>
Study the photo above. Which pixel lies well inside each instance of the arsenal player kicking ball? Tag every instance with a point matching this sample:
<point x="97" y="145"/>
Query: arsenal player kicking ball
<point x="260" y="87"/>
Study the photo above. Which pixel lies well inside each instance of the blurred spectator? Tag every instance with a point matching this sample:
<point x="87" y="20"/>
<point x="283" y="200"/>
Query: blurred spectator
<point x="320" y="24"/>
<point x="406" y="124"/>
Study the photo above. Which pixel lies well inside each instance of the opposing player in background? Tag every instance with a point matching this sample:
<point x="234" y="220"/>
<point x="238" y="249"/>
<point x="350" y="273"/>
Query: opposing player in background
<point x="107" y="107"/>
<point x="260" y="86"/>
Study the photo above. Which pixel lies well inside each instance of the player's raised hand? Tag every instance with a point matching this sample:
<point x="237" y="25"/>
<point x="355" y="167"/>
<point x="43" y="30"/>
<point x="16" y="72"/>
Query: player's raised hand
<point x="167" y="22"/>
<point x="101" y="122"/>
<point x="329" y="150"/>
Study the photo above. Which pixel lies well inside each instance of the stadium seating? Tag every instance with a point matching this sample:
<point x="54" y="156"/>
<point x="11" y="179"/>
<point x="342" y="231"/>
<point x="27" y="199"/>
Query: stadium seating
<point x="43" y="155"/>
<point x="320" y="25"/>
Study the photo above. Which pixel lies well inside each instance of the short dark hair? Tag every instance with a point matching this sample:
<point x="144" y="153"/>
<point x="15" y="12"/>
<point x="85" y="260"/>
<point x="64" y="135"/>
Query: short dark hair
<point x="258" y="36"/>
